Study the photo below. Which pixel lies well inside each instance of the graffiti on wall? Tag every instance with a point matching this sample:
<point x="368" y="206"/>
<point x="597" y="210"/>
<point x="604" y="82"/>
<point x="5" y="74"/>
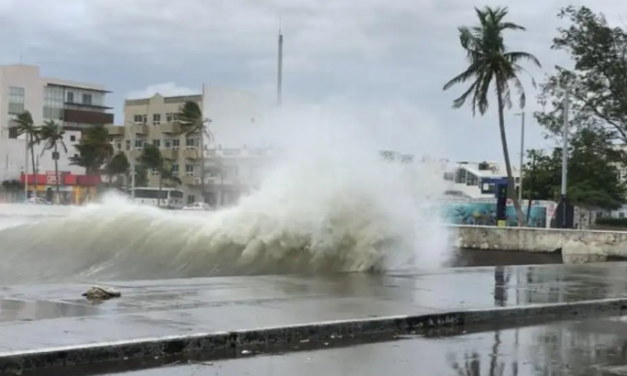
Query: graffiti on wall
<point x="484" y="214"/>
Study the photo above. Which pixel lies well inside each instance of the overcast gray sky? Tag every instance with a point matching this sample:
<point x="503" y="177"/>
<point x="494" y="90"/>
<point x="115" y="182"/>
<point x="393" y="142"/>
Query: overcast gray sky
<point x="386" y="58"/>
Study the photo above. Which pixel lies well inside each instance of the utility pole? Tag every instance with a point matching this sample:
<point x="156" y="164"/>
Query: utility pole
<point x="279" y="83"/>
<point x="130" y="126"/>
<point x="522" y="155"/>
<point x="563" y="199"/>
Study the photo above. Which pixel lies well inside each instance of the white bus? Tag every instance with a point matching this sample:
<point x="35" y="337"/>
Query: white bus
<point x="170" y="198"/>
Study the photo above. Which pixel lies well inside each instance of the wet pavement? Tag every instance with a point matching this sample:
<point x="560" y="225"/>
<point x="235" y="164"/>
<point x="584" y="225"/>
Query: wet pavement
<point x="35" y="317"/>
<point x="595" y="347"/>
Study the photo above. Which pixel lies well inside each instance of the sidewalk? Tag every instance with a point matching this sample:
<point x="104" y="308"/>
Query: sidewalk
<point x="53" y="325"/>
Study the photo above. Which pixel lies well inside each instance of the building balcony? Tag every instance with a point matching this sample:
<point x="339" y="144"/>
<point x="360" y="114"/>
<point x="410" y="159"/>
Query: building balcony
<point x="170" y="153"/>
<point x="190" y="180"/>
<point x="171" y="128"/>
<point x="191" y="153"/>
<point x="141" y="129"/>
<point x="87" y="117"/>
<point x="116" y="130"/>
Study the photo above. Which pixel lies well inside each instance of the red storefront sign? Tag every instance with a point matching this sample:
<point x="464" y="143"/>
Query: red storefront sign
<point x="64" y="178"/>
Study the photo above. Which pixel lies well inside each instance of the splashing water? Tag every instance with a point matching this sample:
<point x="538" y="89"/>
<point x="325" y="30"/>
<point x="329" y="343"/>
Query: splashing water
<point x="329" y="204"/>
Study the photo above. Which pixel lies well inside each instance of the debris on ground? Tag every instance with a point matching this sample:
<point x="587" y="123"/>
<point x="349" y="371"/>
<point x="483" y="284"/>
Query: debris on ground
<point x="98" y="293"/>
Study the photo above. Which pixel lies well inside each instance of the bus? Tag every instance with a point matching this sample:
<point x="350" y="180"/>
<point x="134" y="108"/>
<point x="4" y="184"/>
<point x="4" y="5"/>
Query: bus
<point x="170" y="198"/>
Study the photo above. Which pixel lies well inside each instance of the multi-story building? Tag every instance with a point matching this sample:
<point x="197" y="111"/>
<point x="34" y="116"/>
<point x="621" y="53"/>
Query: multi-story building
<point x="229" y="169"/>
<point x="74" y="105"/>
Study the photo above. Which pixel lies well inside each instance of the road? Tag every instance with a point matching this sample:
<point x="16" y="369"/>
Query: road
<point x="595" y="347"/>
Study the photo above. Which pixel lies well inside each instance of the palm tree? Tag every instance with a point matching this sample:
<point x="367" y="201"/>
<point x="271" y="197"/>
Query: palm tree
<point x="491" y="64"/>
<point x="52" y="134"/>
<point x="151" y="158"/>
<point x="25" y="125"/>
<point x="191" y="120"/>
<point x="118" y="166"/>
<point x="94" y="150"/>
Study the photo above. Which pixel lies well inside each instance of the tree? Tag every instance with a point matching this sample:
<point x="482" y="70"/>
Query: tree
<point x="593" y="178"/>
<point x="25" y="125"/>
<point x="597" y="81"/>
<point x="152" y="159"/>
<point x="491" y="64"/>
<point x="191" y="121"/>
<point x="52" y="134"/>
<point x="94" y="150"/>
<point x="118" y="166"/>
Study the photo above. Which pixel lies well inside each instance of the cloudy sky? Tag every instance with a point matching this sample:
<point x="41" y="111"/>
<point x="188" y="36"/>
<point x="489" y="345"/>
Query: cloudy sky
<point x="387" y="59"/>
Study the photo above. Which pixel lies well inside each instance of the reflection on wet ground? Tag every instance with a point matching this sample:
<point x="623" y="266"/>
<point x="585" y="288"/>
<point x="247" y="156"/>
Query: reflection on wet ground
<point x="56" y="315"/>
<point x="596" y="347"/>
<point x="473" y="257"/>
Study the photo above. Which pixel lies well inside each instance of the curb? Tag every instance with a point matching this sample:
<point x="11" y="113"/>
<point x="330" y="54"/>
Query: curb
<point x="221" y="342"/>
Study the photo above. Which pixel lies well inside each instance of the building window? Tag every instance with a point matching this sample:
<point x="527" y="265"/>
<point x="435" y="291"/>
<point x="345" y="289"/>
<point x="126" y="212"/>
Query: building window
<point x="175" y="169"/>
<point x="140" y="119"/>
<point x="70" y="97"/>
<point x="176" y="143"/>
<point x="156" y="143"/>
<point x="16" y="100"/>
<point x="189" y="169"/>
<point x="139" y="144"/>
<point x="87" y="99"/>
<point x="191" y="142"/>
<point x="191" y="199"/>
<point x="73" y="138"/>
<point x="128" y="144"/>
<point x="167" y="143"/>
<point x="169" y="117"/>
<point x="156" y="119"/>
<point x="119" y="145"/>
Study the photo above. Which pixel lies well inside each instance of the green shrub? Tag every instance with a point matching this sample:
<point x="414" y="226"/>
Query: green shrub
<point x="614" y="222"/>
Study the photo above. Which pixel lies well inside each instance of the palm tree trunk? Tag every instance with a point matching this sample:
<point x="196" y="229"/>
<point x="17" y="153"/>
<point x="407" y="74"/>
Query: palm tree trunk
<point x="202" y="164"/>
<point x="511" y="187"/>
<point x="32" y="157"/>
<point x="56" y="172"/>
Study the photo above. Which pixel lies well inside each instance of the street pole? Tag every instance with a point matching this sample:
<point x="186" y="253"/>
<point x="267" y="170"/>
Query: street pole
<point x="565" y="155"/>
<point x="26" y="168"/>
<point x="132" y="149"/>
<point x="279" y="83"/>
<point x="522" y="155"/>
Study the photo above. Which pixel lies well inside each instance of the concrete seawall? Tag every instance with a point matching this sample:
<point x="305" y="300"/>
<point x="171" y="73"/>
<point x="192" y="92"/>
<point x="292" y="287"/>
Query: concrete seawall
<point x="575" y="245"/>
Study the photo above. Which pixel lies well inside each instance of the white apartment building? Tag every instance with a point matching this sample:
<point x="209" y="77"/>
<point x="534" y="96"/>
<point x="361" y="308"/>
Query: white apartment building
<point x="75" y="105"/>
<point x="231" y="165"/>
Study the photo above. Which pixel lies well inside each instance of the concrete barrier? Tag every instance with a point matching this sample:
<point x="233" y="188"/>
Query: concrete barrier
<point x="215" y="344"/>
<point x="576" y="245"/>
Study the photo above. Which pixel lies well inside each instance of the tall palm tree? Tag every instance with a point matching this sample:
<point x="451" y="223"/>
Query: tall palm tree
<point x="25" y="125"/>
<point x="492" y="65"/>
<point x="191" y="120"/>
<point x="151" y="158"/>
<point x="118" y="166"/>
<point x="94" y="150"/>
<point x="52" y="134"/>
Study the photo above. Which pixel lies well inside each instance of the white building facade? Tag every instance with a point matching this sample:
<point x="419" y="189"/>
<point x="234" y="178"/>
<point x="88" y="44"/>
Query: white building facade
<point x="74" y="105"/>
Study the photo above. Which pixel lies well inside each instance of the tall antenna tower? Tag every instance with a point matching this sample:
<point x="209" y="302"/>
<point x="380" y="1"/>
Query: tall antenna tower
<point x="279" y="80"/>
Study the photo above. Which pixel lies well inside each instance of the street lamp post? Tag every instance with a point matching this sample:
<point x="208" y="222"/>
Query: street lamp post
<point x="563" y="198"/>
<point x="522" y="154"/>
<point x="132" y="148"/>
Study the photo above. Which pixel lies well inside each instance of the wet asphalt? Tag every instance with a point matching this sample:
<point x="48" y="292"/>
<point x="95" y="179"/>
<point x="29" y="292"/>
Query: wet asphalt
<point x="591" y="347"/>
<point x="594" y="347"/>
